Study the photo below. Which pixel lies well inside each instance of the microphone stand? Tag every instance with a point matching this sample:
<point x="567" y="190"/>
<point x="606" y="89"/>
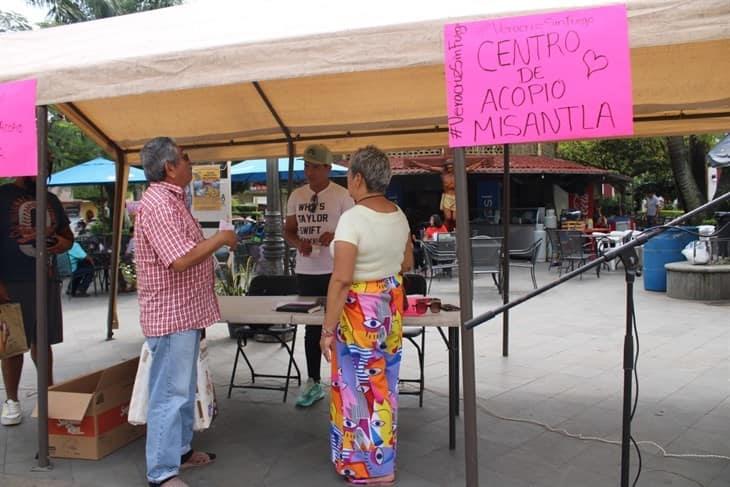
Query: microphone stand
<point x="630" y="260"/>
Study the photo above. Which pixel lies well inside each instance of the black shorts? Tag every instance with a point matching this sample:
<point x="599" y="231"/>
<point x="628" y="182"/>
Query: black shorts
<point x="313" y="284"/>
<point x="23" y="292"/>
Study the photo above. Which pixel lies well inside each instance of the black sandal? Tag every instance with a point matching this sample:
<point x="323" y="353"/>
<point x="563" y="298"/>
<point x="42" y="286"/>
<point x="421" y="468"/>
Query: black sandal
<point x="159" y="484"/>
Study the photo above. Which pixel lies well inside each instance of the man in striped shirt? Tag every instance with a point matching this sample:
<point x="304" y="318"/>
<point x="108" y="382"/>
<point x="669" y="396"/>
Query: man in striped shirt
<point x="175" y="278"/>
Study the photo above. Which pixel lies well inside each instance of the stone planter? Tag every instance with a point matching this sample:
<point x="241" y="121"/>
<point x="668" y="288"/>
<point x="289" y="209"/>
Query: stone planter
<point x="698" y="282"/>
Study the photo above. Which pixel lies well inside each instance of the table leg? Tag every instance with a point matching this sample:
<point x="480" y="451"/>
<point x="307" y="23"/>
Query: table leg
<point x="457" y="368"/>
<point x="453" y="384"/>
<point x="452" y="344"/>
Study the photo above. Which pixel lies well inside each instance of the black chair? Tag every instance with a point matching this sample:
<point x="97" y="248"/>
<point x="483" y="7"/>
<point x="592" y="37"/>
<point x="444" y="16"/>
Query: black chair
<point x="553" y="250"/>
<point x="415" y="284"/>
<point x="527" y="258"/>
<point x="486" y="257"/>
<point x="440" y="256"/>
<point x="102" y="263"/>
<point x="575" y="251"/>
<point x="267" y="286"/>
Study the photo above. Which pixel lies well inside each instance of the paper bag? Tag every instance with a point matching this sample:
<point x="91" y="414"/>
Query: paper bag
<point x="12" y="331"/>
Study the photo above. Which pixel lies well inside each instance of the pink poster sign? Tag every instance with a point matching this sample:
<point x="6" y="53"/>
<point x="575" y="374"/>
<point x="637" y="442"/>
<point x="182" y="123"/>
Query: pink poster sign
<point x="558" y="76"/>
<point x="18" y="143"/>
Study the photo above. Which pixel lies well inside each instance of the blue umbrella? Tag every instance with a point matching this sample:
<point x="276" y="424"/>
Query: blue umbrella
<point x="254" y="171"/>
<point x="95" y="171"/>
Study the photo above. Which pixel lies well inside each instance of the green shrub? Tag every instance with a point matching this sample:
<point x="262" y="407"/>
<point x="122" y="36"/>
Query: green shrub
<point x="670" y="214"/>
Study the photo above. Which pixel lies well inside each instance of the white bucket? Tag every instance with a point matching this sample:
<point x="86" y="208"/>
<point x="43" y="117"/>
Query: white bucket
<point x="705" y="231"/>
<point x="551" y="221"/>
<point x="536" y="235"/>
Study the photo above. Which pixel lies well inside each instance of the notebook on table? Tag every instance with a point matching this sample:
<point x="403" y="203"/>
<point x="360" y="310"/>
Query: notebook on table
<point x="300" y="307"/>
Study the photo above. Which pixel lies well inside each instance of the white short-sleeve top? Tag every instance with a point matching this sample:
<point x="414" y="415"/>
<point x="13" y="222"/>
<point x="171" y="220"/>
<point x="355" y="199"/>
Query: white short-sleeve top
<point x="380" y="239"/>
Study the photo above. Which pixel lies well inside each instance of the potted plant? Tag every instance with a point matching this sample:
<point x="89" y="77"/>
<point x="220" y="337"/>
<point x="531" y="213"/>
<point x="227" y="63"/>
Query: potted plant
<point x="129" y="274"/>
<point x="230" y="283"/>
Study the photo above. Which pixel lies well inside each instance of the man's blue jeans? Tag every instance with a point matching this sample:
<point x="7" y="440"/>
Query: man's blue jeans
<point x="171" y="402"/>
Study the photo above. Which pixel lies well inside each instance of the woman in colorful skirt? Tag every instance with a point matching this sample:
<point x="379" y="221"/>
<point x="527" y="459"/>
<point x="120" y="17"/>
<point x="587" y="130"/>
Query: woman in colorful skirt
<point x="362" y="329"/>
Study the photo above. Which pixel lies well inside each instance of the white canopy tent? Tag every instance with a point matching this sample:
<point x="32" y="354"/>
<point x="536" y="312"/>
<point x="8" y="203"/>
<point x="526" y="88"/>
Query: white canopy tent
<point x="332" y="71"/>
<point x="241" y="80"/>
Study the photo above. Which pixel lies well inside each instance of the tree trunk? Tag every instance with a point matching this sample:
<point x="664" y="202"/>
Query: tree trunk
<point x="688" y="188"/>
<point x="723" y="186"/>
<point x="698" y="150"/>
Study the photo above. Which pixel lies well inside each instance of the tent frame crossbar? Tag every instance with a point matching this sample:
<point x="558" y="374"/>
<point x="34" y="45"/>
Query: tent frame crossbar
<point x="390" y="133"/>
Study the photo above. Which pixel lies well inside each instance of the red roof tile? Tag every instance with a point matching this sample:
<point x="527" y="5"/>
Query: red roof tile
<point x="493" y="164"/>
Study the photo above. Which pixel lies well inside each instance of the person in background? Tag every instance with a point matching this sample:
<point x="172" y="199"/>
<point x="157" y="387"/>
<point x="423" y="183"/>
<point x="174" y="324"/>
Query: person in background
<point x="435" y="225"/>
<point x="599" y="219"/>
<point x="312" y="213"/>
<point x="82" y="271"/>
<point x="89" y="217"/>
<point x="448" y="184"/>
<point x="176" y="300"/>
<point x="652" y="209"/>
<point x="131" y="245"/>
<point x="18" y="244"/>
<point x="81" y="228"/>
<point x="362" y="331"/>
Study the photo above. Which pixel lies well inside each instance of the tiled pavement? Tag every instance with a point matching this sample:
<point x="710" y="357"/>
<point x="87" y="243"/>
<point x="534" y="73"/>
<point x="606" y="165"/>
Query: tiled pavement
<point x="564" y="369"/>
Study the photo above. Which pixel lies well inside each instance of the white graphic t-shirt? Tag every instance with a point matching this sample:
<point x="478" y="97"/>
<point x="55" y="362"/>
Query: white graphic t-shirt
<point x="317" y="213"/>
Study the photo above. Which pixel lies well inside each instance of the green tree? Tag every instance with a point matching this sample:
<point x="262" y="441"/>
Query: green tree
<point x="674" y="167"/>
<point x="723" y="186"/>
<point x="72" y="11"/>
<point x="680" y="156"/>
<point x="68" y="144"/>
<point x="11" y="21"/>
<point x="645" y="160"/>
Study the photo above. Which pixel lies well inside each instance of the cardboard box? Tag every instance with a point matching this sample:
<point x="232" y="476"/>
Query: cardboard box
<point x="87" y="416"/>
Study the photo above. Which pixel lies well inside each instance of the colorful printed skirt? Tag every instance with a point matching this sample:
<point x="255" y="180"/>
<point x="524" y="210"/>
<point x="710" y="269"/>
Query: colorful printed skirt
<point x="365" y="366"/>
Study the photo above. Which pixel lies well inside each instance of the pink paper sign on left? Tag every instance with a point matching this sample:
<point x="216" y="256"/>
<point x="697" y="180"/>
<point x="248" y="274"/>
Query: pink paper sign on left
<point x="18" y="143"/>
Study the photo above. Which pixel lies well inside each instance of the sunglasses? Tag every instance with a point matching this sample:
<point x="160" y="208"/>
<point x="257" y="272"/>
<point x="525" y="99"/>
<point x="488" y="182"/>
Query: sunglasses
<point x="313" y="202"/>
<point x="423" y="304"/>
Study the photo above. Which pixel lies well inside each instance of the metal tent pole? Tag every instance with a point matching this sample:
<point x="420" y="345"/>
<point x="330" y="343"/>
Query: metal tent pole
<point x="290" y="173"/>
<point x="506" y="210"/>
<point x="466" y="295"/>
<point x="273" y="247"/>
<point x="120" y="191"/>
<point x="289" y="189"/>
<point x="41" y="287"/>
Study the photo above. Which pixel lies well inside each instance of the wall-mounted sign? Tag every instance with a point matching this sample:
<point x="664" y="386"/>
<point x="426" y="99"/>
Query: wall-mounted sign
<point x="207" y="188"/>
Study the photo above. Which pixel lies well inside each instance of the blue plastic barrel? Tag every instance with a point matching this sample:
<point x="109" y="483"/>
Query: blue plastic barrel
<point x="662" y="249"/>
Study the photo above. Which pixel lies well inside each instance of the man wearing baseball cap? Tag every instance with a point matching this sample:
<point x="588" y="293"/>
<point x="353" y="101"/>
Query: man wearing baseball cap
<point x="312" y="213"/>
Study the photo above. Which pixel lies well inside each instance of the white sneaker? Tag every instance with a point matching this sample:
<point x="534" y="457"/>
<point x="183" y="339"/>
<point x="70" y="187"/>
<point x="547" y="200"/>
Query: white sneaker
<point x="12" y="414"/>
